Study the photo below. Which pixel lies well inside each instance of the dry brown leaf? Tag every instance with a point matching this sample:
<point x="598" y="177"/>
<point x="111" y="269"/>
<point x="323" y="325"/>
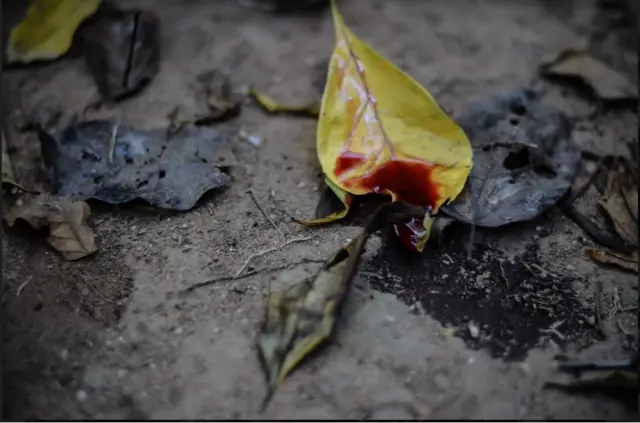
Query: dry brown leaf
<point x="625" y="261"/>
<point x="620" y="203"/>
<point x="607" y="83"/>
<point x="69" y="232"/>
<point x="299" y="319"/>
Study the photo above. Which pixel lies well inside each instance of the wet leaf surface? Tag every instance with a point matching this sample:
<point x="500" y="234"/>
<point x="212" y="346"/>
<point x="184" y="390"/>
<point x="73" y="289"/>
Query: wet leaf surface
<point x="69" y="232"/>
<point x="380" y="132"/>
<point x="122" y="51"/>
<point x="47" y="31"/>
<point x="116" y="164"/>
<point x="300" y="318"/>
<point x="524" y="161"/>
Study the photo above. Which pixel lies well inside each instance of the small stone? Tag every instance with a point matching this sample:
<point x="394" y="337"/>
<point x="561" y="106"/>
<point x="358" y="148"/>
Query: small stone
<point x="184" y="226"/>
<point x="216" y="330"/>
<point x="302" y="185"/>
<point x="178" y="330"/>
<point x="64" y="354"/>
<point x="473" y="330"/>
<point x="81" y="396"/>
<point x="122" y="373"/>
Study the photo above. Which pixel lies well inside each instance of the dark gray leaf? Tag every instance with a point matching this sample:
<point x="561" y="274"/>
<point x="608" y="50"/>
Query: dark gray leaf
<point x="171" y="173"/>
<point x="523" y="160"/>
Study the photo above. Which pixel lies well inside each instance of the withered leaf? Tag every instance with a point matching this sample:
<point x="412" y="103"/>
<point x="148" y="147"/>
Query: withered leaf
<point x="620" y="202"/>
<point x="272" y="106"/>
<point x="524" y="161"/>
<point x="607" y="83"/>
<point x="626" y="261"/>
<point x="117" y="164"/>
<point x="302" y="317"/>
<point x="69" y="232"/>
<point x="122" y="51"/>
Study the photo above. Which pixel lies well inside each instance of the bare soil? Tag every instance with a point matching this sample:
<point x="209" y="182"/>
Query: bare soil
<point x="435" y="335"/>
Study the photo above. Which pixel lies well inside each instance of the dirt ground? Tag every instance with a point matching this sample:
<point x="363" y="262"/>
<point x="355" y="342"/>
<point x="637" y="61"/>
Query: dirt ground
<point x="115" y="337"/>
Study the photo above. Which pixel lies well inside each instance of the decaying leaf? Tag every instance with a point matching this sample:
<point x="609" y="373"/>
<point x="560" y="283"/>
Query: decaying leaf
<point x="215" y="102"/>
<point x="302" y="317"/>
<point x="620" y="201"/>
<point x="380" y="132"/>
<point x="607" y="83"/>
<point x="47" y="30"/>
<point x="524" y="161"/>
<point x="69" y="233"/>
<point x="272" y="106"/>
<point x="620" y="204"/>
<point x="116" y="164"/>
<point x="122" y="51"/>
<point x="625" y="261"/>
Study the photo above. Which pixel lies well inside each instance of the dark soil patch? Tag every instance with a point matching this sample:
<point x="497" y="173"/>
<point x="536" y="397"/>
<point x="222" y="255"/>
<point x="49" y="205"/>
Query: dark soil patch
<point x="513" y="303"/>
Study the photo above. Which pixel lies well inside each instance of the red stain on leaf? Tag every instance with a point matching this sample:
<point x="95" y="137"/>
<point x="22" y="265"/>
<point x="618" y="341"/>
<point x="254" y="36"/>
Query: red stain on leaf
<point x="409" y="180"/>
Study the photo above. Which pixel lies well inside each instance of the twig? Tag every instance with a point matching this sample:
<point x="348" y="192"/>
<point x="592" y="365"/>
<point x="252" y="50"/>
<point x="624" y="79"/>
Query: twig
<point x="504" y="276"/>
<point x="269" y="250"/>
<point x="542" y="269"/>
<point x="212" y="281"/>
<point x="112" y="140"/>
<point x="23" y="285"/>
<point x="264" y="213"/>
<point x="616" y="304"/>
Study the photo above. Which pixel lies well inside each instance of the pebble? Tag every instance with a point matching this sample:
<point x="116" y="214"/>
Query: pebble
<point x="178" y="330"/>
<point x="473" y="330"/>
<point x="64" y="354"/>
<point x="184" y="226"/>
<point x="81" y="396"/>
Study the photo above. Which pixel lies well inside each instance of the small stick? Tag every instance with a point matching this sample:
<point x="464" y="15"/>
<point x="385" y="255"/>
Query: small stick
<point x="504" y="276"/>
<point x="112" y="140"/>
<point x="23" y="285"/>
<point x="267" y="251"/>
<point x="246" y="275"/>
<point x="264" y="213"/>
<point x="542" y="269"/>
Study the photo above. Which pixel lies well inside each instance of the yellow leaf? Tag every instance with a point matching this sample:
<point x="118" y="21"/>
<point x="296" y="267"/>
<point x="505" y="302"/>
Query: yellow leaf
<point x="380" y="132"/>
<point x="47" y="31"/>
<point x="272" y="106"/>
<point x="344" y="197"/>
